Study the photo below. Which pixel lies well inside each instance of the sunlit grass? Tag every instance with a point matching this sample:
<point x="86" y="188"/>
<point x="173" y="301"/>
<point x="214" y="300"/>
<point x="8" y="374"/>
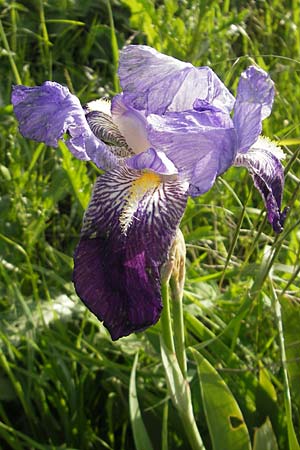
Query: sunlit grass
<point x="63" y="384"/>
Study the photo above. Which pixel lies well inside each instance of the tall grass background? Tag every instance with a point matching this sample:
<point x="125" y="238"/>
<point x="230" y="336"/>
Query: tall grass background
<point x="63" y="383"/>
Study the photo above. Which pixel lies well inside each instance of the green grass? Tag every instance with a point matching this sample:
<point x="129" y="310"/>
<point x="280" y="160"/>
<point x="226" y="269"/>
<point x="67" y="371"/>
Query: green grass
<point x="63" y="383"/>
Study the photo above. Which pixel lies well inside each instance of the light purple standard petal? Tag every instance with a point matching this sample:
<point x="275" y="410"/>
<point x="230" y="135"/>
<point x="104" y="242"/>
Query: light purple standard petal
<point x="267" y="173"/>
<point x="45" y="113"/>
<point x="127" y="232"/>
<point x="201" y="144"/>
<point x="131" y="123"/>
<point x="156" y="83"/>
<point x="254" y="100"/>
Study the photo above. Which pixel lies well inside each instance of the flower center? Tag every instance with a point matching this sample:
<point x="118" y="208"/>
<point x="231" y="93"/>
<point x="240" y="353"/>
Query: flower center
<point x="122" y="128"/>
<point x="131" y="123"/>
<point x="97" y="114"/>
<point x="132" y="127"/>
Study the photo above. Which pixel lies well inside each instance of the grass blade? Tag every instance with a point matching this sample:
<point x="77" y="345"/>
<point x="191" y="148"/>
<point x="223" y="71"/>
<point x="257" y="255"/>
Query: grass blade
<point x="293" y="442"/>
<point x="141" y="437"/>
<point x="10" y="56"/>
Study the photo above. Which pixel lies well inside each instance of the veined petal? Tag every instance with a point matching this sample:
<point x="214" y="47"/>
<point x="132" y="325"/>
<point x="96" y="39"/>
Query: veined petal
<point x="156" y="83"/>
<point x="151" y="159"/>
<point x="254" y="100"/>
<point x="202" y="145"/>
<point x="267" y="173"/>
<point x="127" y="233"/>
<point x="45" y="113"/>
<point x="211" y="115"/>
<point x="256" y="86"/>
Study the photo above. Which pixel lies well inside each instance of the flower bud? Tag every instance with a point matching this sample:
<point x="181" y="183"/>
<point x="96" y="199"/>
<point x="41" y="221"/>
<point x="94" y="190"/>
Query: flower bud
<point x="173" y="270"/>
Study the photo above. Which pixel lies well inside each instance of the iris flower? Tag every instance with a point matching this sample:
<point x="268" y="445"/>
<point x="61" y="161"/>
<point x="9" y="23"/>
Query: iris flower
<point x="168" y="135"/>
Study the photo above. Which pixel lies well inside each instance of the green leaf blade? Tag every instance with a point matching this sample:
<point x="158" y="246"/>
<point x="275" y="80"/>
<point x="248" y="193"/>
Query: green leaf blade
<point x="264" y="437"/>
<point x="225" y="421"/>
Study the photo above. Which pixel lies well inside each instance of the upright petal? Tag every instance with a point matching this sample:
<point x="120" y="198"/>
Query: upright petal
<point x="262" y="161"/>
<point x="201" y="144"/>
<point x="127" y="233"/>
<point x="254" y="100"/>
<point x="131" y="123"/>
<point x="45" y="113"/>
<point x="156" y="83"/>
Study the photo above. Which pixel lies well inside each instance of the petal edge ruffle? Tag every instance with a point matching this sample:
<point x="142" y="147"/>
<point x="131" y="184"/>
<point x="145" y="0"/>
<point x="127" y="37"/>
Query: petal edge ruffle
<point x="156" y="83"/>
<point x="254" y="100"/>
<point x="45" y="113"/>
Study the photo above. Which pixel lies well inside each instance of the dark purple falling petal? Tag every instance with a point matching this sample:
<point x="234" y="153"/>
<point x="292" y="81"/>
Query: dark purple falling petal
<point x="127" y="232"/>
<point x="272" y="199"/>
<point x="267" y="173"/>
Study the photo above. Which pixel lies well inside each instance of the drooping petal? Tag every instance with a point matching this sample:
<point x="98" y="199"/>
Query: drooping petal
<point x="158" y="162"/>
<point x="201" y="144"/>
<point x="156" y="83"/>
<point x="131" y="123"/>
<point x="127" y="233"/>
<point x="254" y="100"/>
<point x="262" y="161"/>
<point x="45" y="113"/>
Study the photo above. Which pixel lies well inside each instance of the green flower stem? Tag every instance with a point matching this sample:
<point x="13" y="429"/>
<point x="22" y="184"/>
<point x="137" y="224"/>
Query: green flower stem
<point x="178" y="385"/>
<point x="178" y="323"/>
<point x="192" y="431"/>
<point x="165" y="319"/>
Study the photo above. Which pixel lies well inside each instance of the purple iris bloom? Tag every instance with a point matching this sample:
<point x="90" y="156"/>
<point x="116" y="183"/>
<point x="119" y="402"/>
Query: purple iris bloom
<point x="168" y="135"/>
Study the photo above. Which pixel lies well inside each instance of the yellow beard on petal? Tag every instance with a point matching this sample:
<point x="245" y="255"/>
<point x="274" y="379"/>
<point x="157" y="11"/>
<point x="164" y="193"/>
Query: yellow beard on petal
<point x="148" y="181"/>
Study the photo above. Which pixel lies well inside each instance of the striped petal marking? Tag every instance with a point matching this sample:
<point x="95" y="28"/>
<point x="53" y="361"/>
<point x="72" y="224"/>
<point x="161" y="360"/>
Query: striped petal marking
<point x="263" y="162"/>
<point x="127" y="232"/>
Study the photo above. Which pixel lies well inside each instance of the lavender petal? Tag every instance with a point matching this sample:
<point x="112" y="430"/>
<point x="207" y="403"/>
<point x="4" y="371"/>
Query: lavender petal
<point x="45" y="113"/>
<point x="158" y="162"/>
<point x="156" y="83"/>
<point x="131" y="123"/>
<point x="254" y="100"/>
<point x="201" y="144"/>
